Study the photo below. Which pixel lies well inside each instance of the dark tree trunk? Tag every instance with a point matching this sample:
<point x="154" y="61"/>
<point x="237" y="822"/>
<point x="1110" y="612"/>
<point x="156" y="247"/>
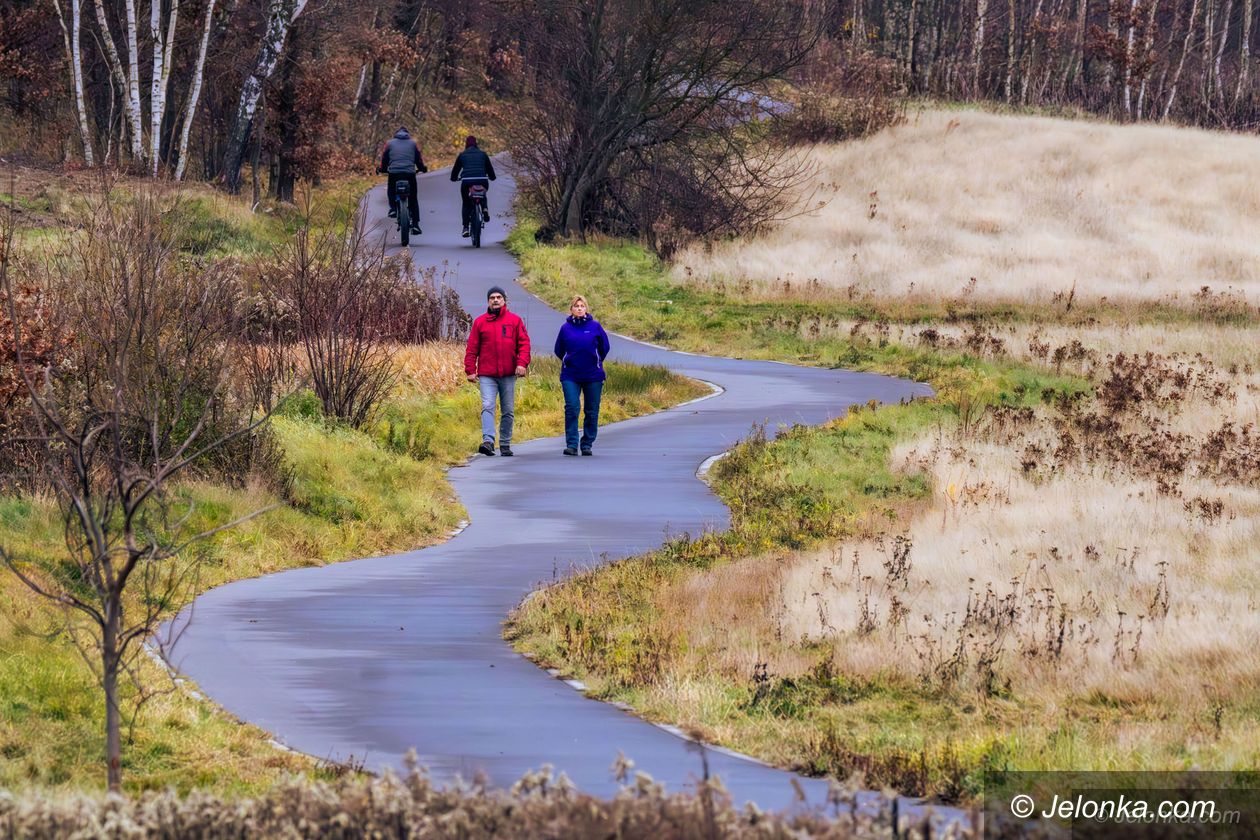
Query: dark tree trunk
<point x="109" y="682"/>
<point x="279" y="19"/>
<point x="285" y="120"/>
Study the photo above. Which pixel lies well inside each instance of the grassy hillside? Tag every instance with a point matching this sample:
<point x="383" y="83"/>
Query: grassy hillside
<point x="1018" y="209"/>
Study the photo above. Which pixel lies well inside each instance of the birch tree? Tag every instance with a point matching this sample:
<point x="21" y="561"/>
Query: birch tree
<point x="75" y="57"/>
<point x="194" y="95"/>
<point x="280" y="17"/>
<point x="107" y="41"/>
<point x="163" y="43"/>
<point x="1244" y="53"/>
<point x="1128" y="59"/>
<point x="977" y="45"/>
<point x="1181" y="62"/>
<point x="1030" y="68"/>
<point x="1011" y="27"/>
<point x="1076" y="65"/>
<point x="912" y="32"/>
<point x="1148" y="44"/>
<point x="1218" y="85"/>
<point x="134" y="118"/>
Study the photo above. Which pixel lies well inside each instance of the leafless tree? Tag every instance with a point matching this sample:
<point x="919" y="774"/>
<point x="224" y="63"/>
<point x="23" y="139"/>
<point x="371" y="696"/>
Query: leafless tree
<point x="143" y="398"/>
<point x="352" y="307"/>
<point x="626" y="86"/>
<point x="194" y="95"/>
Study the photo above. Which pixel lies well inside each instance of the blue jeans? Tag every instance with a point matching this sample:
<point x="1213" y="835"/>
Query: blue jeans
<point x="590" y="393"/>
<point x="503" y="387"/>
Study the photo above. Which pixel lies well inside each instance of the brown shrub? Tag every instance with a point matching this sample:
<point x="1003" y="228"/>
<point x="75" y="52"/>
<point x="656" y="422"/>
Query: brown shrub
<point x="345" y="306"/>
<point x="844" y="98"/>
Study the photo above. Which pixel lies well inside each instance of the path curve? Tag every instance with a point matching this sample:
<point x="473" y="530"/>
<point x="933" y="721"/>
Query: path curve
<point x="371" y="657"/>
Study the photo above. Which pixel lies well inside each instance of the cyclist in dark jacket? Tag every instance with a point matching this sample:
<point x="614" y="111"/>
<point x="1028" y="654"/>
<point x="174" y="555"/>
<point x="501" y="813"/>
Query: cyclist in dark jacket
<point x="401" y="158"/>
<point x="473" y="166"/>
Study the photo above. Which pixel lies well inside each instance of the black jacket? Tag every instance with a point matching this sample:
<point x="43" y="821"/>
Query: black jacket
<point x="402" y="155"/>
<point x="472" y="163"/>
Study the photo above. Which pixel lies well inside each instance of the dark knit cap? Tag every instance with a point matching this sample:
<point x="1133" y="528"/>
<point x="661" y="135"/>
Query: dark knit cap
<point x="494" y="289"/>
<point x="470" y="141"/>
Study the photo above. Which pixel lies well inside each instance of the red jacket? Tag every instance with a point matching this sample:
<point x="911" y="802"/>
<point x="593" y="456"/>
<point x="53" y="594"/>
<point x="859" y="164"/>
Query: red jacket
<point x="497" y="345"/>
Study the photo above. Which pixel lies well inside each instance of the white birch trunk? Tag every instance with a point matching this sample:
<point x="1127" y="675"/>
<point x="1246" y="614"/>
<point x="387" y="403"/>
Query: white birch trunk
<point x="1148" y="43"/>
<point x="389" y="85"/>
<point x="1008" y="84"/>
<point x="280" y="17"/>
<point x="1110" y="78"/>
<point x="1209" y="39"/>
<point x="358" y="90"/>
<point x="1077" y="65"/>
<point x="167" y="63"/>
<point x="76" y="58"/>
<point x="977" y="45"/>
<point x="1128" y="61"/>
<point x="134" y="117"/>
<point x="1217" y="82"/>
<point x="107" y="39"/>
<point x="71" y="39"/>
<point x="1030" y="68"/>
<point x="1244" y="52"/>
<point x="157" y="88"/>
<point x="194" y="95"/>
<point x="1181" y="62"/>
<point x="117" y="75"/>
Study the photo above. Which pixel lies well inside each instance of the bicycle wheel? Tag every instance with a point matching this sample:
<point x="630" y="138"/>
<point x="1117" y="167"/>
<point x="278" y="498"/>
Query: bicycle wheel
<point x="475" y="227"/>
<point x="404" y="222"/>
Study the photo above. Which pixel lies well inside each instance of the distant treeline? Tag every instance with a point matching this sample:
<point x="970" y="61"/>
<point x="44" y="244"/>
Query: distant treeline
<point x="1189" y="60"/>
<point x="204" y="87"/>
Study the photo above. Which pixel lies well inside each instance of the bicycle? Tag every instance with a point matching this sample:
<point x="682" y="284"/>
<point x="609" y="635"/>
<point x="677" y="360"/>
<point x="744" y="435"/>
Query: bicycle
<point x="477" y="197"/>
<point x="403" y="198"/>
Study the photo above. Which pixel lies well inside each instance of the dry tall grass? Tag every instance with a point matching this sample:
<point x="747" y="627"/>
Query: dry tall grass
<point x="431" y="369"/>
<point x="1098" y="549"/>
<point x="540" y="804"/>
<point x="1051" y="589"/>
<point x="1029" y="207"/>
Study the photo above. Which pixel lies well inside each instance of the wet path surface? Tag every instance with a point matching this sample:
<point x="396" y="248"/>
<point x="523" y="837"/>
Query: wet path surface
<point x="371" y="657"/>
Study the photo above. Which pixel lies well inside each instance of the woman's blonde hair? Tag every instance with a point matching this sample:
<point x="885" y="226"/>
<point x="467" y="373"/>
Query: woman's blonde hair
<point x="575" y="300"/>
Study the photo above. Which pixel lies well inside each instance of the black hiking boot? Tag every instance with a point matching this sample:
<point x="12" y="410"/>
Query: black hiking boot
<point x="505" y="451"/>
<point x="569" y="450"/>
<point x="486" y="448"/>
<point x="587" y="451"/>
<point x="466" y="232"/>
<point x="415" y="230"/>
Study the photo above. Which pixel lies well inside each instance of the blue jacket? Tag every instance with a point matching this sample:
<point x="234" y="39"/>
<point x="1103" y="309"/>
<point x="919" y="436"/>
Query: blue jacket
<point x="581" y="346"/>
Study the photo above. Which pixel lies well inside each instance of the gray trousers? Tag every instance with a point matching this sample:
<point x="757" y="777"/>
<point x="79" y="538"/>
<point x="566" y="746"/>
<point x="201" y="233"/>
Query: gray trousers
<point x="504" y="387"/>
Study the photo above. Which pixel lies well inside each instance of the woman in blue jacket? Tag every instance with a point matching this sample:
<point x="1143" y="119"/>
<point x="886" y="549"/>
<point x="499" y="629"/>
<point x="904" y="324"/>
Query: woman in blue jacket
<point x="581" y="347"/>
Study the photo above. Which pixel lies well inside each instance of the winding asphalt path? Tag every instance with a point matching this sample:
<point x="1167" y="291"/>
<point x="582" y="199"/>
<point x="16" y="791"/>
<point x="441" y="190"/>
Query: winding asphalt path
<point x="368" y="658"/>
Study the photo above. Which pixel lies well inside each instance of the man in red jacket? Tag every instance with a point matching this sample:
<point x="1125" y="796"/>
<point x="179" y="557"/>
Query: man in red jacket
<point x="498" y="352"/>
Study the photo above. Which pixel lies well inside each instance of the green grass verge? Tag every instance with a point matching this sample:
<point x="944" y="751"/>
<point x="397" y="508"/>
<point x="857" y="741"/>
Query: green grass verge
<point x="632" y="291"/>
<point x="212" y="225"/>
<point x="354" y="493"/>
